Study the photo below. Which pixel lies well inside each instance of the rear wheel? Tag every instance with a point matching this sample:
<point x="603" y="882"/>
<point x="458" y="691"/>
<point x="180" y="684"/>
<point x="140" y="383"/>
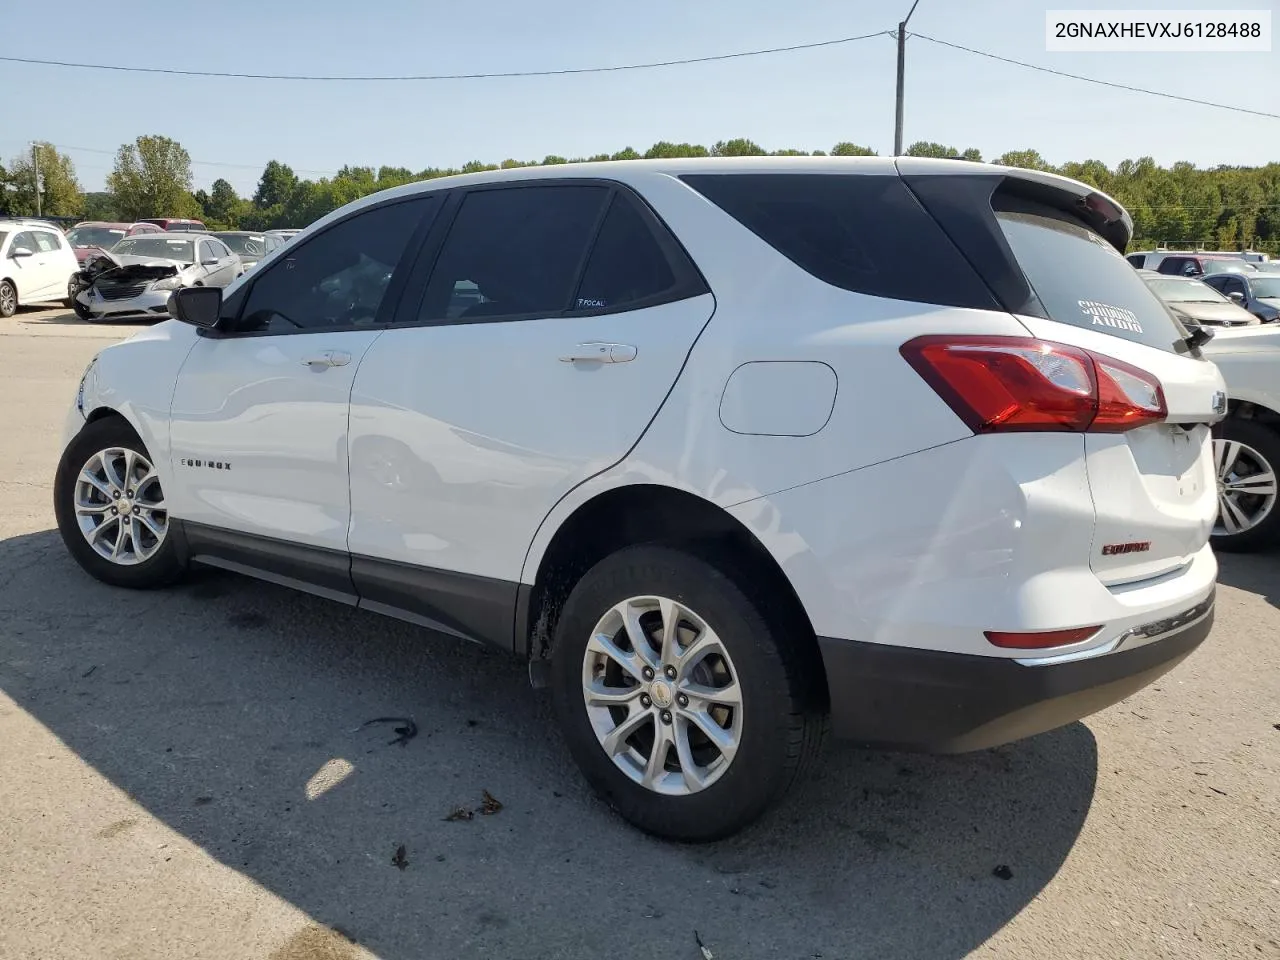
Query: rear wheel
<point x="111" y="508"/>
<point x="683" y="700"/>
<point x="1246" y="460"/>
<point x="8" y="299"/>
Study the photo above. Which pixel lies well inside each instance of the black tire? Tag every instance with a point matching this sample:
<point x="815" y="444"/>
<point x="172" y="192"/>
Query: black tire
<point x="8" y="299"/>
<point x="778" y="671"/>
<point x="73" y="288"/>
<point x="1265" y="443"/>
<point x="163" y="567"/>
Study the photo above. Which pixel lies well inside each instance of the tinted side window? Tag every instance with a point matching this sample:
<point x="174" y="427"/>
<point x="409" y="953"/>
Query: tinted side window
<point x="514" y="251"/>
<point x="1179" y="266"/>
<point x="339" y="277"/>
<point x="206" y="252"/>
<point x="46" y="242"/>
<point x="862" y="233"/>
<point x="627" y="264"/>
<point x="1233" y="285"/>
<point x="24" y="240"/>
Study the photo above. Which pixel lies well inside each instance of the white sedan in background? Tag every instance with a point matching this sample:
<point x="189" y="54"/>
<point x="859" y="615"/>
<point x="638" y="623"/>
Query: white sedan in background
<point x="36" y="264"/>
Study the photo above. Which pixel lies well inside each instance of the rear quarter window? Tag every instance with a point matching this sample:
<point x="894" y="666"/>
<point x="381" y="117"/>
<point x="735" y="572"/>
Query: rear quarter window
<point x="1080" y="279"/>
<point x="861" y="232"/>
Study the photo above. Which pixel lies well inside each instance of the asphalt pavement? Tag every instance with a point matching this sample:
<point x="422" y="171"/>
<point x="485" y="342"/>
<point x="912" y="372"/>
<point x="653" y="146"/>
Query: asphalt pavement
<point x="185" y="774"/>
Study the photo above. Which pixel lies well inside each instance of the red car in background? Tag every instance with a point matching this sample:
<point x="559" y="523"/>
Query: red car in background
<point x="92" y="237"/>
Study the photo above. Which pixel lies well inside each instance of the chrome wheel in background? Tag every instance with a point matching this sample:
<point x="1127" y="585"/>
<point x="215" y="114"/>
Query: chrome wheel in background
<point x="119" y="506"/>
<point x="1246" y="487"/>
<point x="662" y="695"/>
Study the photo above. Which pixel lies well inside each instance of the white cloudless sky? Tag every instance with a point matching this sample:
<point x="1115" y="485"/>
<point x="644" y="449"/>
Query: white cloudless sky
<point x="805" y="100"/>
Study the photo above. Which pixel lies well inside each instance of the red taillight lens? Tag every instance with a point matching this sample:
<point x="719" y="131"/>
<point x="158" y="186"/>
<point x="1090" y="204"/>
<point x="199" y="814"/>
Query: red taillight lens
<point x="1040" y="640"/>
<point x="1002" y="384"/>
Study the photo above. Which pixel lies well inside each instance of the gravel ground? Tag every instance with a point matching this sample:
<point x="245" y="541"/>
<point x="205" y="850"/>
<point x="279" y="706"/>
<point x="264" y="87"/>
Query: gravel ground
<point x="182" y="775"/>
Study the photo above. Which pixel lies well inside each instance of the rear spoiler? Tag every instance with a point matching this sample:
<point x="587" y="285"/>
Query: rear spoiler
<point x="959" y="196"/>
<point x="1104" y="215"/>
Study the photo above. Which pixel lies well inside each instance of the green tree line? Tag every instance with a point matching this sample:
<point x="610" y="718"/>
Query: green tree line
<point x="1229" y="206"/>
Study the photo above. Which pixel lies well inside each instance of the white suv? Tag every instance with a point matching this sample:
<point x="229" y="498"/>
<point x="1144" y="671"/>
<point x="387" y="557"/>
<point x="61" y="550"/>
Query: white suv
<point x="725" y="448"/>
<point x="36" y="264"/>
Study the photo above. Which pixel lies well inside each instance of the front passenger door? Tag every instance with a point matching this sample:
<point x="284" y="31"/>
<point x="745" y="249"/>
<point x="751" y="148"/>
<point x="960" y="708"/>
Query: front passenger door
<point x="259" y="413"/>
<point x="26" y="271"/>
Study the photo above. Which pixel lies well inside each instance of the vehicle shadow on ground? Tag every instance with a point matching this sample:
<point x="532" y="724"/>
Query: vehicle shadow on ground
<point x="40" y="314"/>
<point x="230" y="709"/>
<point x="1255" y="572"/>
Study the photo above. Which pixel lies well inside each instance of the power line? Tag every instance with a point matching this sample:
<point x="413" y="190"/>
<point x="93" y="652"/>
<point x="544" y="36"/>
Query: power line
<point x="453" y="76"/>
<point x="1104" y="83"/>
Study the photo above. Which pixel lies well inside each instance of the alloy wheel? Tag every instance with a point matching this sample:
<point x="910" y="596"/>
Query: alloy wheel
<point x="662" y="695"/>
<point x="1246" y="487"/>
<point x="8" y="299"/>
<point x="120" y="506"/>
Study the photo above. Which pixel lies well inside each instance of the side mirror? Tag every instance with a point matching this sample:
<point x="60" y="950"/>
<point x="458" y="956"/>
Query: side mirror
<point x="198" y="306"/>
<point x="1237" y="296"/>
<point x="17" y="253"/>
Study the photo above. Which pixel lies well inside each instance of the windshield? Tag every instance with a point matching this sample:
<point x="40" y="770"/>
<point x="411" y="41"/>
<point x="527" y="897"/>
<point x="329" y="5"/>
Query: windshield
<point x="168" y="248"/>
<point x="244" y="244"/>
<point x="1174" y="290"/>
<point x="1265" y="286"/>
<point x="104" y="237"/>
<point x="1080" y="279"/>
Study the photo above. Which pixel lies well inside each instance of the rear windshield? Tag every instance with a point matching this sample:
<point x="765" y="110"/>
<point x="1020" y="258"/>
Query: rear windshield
<point x="1082" y="280"/>
<point x="244" y="244"/>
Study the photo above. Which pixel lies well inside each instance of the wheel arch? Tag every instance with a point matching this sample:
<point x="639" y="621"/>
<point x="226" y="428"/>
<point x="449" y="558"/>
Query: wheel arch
<point x="644" y="513"/>
<point x="1248" y="409"/>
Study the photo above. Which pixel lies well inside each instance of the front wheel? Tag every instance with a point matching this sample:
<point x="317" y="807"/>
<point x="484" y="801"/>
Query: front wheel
<point x="111" y="508"/>
<point x="8" y="299"/>
<point x="1246" y="458"/>
<point x="686" y="704"/>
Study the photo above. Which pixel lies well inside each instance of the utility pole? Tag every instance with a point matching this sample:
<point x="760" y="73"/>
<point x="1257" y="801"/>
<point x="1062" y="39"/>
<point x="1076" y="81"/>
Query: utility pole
<point x="902" y="68"/>
<point x="35" y="170"/>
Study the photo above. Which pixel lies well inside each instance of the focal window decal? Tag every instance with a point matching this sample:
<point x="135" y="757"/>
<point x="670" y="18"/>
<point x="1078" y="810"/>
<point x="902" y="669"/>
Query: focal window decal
<point x="1105" y="315"/>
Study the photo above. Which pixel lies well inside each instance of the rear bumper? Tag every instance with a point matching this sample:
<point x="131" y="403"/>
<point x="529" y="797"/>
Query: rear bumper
<point x="911" y="699"/>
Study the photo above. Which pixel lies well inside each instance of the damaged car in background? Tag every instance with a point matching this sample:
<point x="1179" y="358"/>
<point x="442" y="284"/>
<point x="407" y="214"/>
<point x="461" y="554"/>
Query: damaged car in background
<point x="136" y="276"/>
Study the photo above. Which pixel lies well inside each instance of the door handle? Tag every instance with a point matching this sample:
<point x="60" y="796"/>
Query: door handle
<point x="328" y="358"/>
<point x="595" y="352"/>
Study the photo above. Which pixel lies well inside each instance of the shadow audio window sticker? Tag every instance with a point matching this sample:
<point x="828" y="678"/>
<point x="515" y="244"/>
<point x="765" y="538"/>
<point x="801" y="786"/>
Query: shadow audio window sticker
<point x="1105" y="315"/>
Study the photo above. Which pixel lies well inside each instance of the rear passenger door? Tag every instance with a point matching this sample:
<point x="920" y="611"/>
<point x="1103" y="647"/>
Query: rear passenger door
<point x="532" y="354"/>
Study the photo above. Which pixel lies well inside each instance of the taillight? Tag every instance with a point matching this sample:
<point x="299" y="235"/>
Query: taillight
<point x="1002" y="384"/>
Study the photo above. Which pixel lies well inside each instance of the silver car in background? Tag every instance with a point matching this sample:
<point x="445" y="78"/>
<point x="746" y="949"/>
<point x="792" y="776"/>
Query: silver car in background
<point x="137" y="275"/>
<point x="249" y="246"/>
